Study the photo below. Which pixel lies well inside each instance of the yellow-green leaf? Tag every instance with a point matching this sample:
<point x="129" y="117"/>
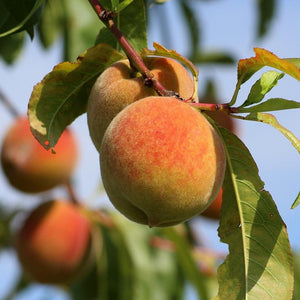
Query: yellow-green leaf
<point x="248" y="66"/>
<point x="63" y="93"/>
<point x="260" y="262"/>
<point x="271" y="120"/>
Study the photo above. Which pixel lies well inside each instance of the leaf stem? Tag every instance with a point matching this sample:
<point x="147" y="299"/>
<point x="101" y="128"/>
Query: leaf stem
<point x="8" y="104"/>
<point x="134" y="57"/>
<point x="225" y="108"/>
<point x="72" y="194"/>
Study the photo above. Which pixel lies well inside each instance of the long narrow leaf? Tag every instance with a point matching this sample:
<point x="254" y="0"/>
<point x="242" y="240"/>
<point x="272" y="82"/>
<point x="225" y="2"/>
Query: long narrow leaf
<point x="260" y="263"/>
<point x="271" y="120"/>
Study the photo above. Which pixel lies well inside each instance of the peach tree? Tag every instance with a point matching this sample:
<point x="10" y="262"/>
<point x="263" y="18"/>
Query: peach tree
<point x="154" y="161"/>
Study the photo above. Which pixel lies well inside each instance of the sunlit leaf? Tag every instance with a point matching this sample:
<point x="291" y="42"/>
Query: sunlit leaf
<point x="260" y="263"/>
<point x="248" y="66"/>
<point x="271" y="120"/>
<point x="296" y="202"/>
<point x="63" y="93"/>
<point x="272" y="104"/>
<point x="262" y="86"/>
<point x="131" y="21"/>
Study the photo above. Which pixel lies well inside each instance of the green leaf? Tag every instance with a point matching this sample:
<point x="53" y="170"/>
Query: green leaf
<point x="11" y="46"/>
<point x="80" y="26"/>
<point x="262" y="86"/>
<point x="50" y="25"/>
<point x="297" y="276"/>
<point x="156" y="273"/>
<point x="193" y="26"/>
<point x="188" y="263"/>
<point x="18" y="15"/>
<point x="131" y="21"/>
<point x="63" y="93"/>
<point x="118" y="8"/>
<point x="266" y="12"/>
<point x="213" y="57"/>
<point x="271" y="120"/>
<point x="260" y="263"/>
<point x="272" y="104"/>
<point x="117" y="272"/>
<point x="296" y="202"/>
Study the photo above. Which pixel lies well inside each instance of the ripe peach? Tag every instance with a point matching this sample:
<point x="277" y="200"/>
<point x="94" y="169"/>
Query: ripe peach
<point x="54" y="241"/>
<point x="161" y="161"/>
<point x="28" y="166"/>
<point x="214" y="210"/>
<point x="119" y="85"/>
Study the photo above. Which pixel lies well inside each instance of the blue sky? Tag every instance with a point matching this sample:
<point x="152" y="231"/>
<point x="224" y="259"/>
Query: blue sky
<point x="229" y="25"/>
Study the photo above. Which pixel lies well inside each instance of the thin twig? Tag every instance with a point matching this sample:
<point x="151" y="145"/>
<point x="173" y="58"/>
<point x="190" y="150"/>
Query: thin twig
<point x="8" y="104"/>
<point x="71" y="191"/>
<point x="135" y="59"/>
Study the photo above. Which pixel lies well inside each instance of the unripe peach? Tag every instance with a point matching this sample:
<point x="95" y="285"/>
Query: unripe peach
<point x="161" y="161"/>
<point x="119" y="85"/>
<point x="54" y="241"/>
<point x="31" y="168"/>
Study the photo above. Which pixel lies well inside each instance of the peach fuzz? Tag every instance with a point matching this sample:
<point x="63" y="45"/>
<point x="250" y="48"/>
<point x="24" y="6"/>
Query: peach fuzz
<point x="161" y="161"/>
<point x="31" y="168"/>
<point x="53" y="242"/>
<point x="119" y="85"/>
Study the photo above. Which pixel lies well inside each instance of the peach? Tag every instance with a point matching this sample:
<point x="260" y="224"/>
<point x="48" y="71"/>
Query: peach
<point x="28" y="166"/>
<point x="214" y="210"/>
<point x="161" y="161"/>
<point x="53" y="242"/>
<point x="119" y="85"/>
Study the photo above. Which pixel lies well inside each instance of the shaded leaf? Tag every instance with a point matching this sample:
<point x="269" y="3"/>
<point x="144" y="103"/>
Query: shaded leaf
<point x="156" y="271"/>
<point x="272" y="104"/>
<point x="271" y="120"/>
<point x="260" y="263"/>
<point x="131" y="21"/>
<point x="116" y="270"/>
<point x="63" y="93"/>
<point x="118" y="8"/>
<point x="262" y="86"/>
<point x="248" y="66"/>
<point x="192" y="24"/>
<point x="213" y="57"/>
<point x="296" y="203"/>
<point x="18" y="15"/>
<point x="265" y="12"/>
<point x="50" y="25"/>
<point x="11" y="46"/>
<point x="188" y="263"/>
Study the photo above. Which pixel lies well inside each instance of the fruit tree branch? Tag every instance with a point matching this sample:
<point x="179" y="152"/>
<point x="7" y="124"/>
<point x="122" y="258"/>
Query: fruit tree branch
<point x="8" y="104"/>
<point x="135" y="59"/>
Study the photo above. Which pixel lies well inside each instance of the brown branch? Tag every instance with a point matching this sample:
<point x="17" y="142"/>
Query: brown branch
<point x="8" y="104"/>
<point x="225" y="108"/>
<point x="135" y="59"/>
<point x="71" y="191"/>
